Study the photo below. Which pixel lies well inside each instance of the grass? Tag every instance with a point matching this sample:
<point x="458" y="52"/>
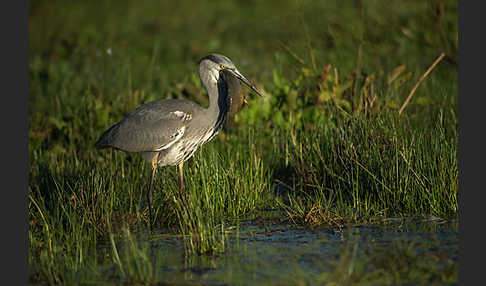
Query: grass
<point x="325" y="146"/>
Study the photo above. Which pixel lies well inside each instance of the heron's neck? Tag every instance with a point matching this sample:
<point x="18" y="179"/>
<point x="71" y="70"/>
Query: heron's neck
<point x="219" y="101"/>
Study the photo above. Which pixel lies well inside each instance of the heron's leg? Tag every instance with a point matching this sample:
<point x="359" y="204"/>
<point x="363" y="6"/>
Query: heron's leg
<point x="181" y="176"/>
<point x="181" y="185"/>
<point x="150" y="190"/>
<point x="182" y="190"/>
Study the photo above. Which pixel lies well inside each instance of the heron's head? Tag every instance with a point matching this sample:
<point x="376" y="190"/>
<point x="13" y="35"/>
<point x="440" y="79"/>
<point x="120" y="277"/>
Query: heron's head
<point x="212" y="65"/>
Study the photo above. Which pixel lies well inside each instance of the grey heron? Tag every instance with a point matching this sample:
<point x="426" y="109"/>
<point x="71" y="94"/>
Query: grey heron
<point x="167" y="132"/>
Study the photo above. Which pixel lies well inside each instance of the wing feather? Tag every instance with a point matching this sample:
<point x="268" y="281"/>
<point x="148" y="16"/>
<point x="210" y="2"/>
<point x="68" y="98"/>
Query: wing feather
<point x="153" y="126"/>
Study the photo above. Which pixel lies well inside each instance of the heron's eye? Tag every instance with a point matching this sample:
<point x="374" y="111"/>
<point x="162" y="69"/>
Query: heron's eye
<point x="222" y="67"/>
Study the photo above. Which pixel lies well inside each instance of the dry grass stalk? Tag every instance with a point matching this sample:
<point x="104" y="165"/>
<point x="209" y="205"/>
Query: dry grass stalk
<point x="420" y="81"/>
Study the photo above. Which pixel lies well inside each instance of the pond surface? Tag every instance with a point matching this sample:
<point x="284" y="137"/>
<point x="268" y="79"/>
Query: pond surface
<point x="278" y="254"/>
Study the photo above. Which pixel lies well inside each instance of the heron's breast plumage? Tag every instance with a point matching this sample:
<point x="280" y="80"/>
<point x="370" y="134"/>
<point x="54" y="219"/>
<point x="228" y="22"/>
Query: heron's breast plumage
<point x="185" y="148"/>
<point x="198" y="130"/>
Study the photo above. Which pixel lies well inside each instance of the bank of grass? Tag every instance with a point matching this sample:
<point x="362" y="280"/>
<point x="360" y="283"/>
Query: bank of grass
<point x="325" y="146"/>
<point x="371" y="166"/>
<point x="358" y="173"/>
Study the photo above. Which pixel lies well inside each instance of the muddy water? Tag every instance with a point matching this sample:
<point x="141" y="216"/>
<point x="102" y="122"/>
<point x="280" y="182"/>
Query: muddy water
<point x="287" y="255"/>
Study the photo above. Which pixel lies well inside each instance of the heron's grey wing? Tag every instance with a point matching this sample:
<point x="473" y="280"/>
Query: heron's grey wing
<point x="154" y="126"/>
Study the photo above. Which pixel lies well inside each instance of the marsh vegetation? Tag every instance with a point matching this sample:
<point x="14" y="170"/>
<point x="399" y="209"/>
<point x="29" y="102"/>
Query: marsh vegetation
<point x="326" y="148"/>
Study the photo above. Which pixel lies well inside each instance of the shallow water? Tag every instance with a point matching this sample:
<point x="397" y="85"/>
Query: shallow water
<point x="288" y="255"/>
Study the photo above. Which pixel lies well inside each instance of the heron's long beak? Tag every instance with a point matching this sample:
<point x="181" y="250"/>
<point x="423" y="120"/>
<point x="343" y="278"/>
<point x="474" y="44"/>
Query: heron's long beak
<point x="241" y="77"/>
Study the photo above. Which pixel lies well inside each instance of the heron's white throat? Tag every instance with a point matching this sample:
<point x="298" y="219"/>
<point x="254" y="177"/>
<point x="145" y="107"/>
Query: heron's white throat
<point x="214" y="75"/>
